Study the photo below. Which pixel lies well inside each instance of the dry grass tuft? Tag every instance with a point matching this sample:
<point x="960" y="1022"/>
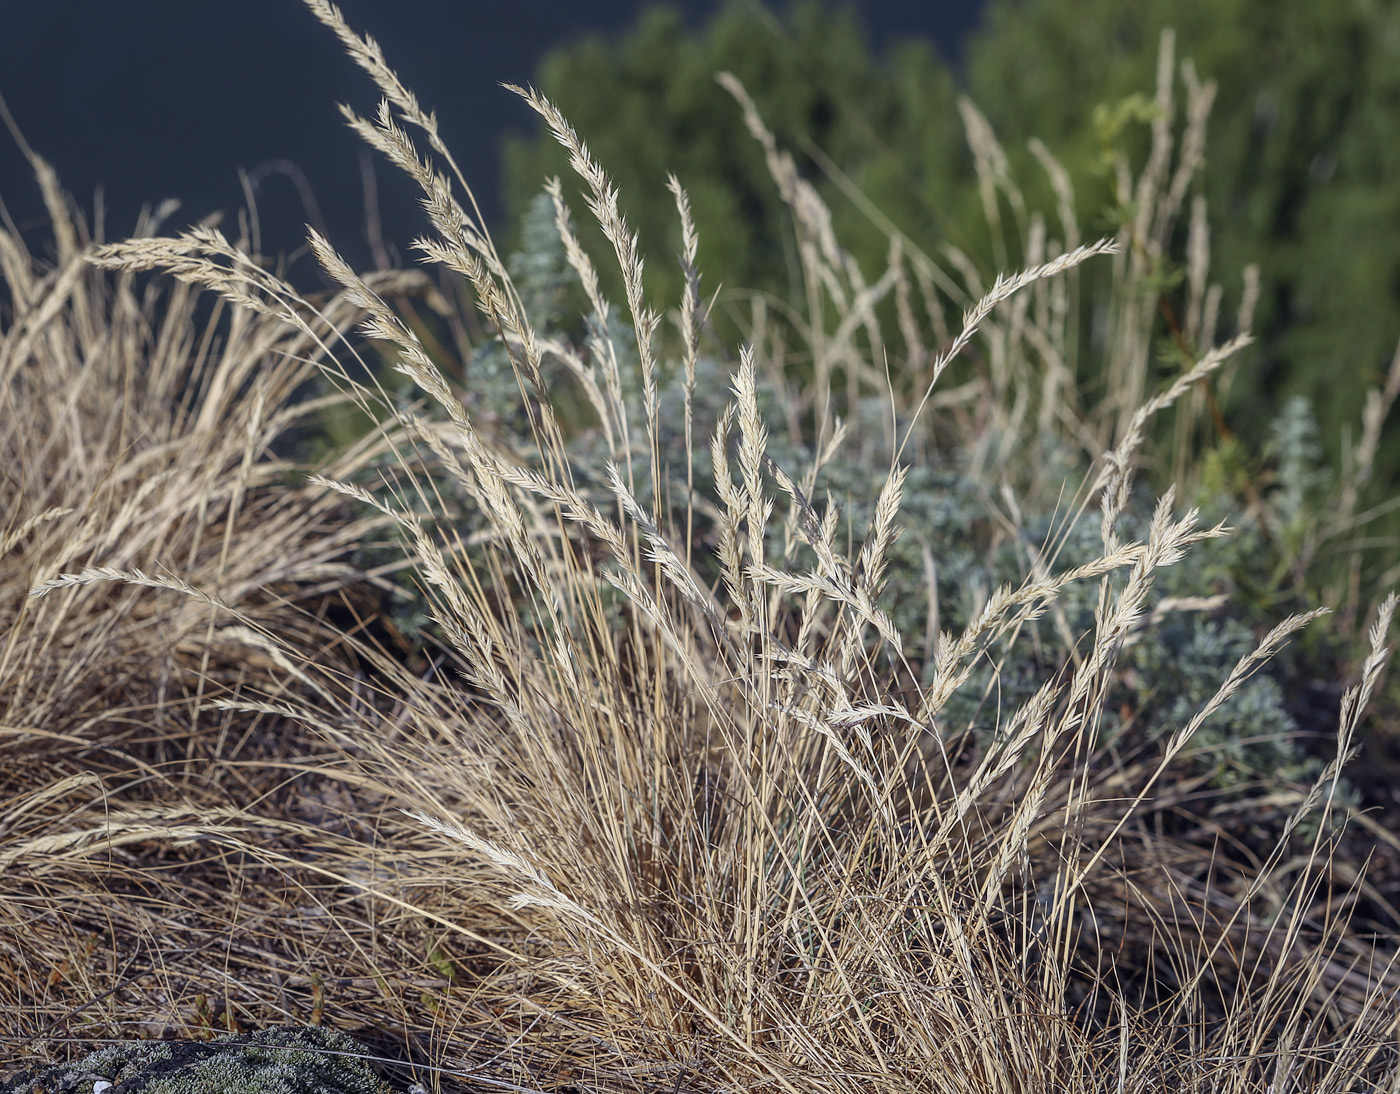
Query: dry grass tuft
<point x="682" y="809"/>
<point x="152" y="543"/>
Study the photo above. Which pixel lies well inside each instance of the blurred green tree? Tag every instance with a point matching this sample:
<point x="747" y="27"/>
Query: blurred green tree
<point x="647" y="104"/>
<point x="1302" y="158"/>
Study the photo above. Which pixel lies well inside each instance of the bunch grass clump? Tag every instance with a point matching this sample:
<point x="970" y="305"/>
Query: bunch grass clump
<point x="686" y="805"/>
<point x="159" y="554"/>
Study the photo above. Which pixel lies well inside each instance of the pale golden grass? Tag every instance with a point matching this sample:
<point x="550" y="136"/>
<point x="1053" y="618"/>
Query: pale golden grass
<point x="152" y="539"/>
<point x="656" y="830"/>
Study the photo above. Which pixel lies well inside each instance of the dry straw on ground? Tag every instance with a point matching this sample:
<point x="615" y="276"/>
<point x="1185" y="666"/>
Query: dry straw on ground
<point x="677" y="810"/>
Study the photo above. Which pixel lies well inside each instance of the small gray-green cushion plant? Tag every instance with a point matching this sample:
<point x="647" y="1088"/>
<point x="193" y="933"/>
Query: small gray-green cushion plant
<point x="309" y="1060"/>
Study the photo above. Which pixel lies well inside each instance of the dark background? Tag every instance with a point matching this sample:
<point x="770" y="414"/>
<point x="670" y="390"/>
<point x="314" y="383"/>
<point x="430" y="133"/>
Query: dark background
<point x="151" y="99"/>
